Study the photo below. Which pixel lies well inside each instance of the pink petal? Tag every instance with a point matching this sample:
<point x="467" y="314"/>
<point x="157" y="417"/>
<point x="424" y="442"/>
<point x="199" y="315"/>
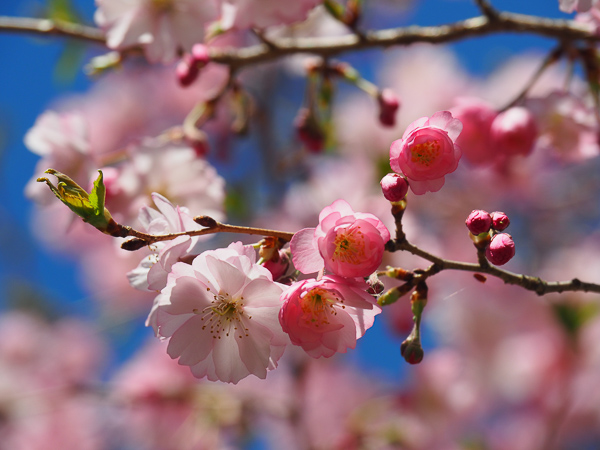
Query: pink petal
<point x="445" y="121"/>
<point x="305" y="254"/>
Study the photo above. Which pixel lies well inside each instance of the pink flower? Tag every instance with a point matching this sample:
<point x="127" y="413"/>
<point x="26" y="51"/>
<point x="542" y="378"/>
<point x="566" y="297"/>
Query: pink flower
<point x="501" y="249"/>
<point x="346" y="243"/>
<point x="220" y="314"/>
<point x="479" y="221"/>
<point x="327" y="316"/>
<point x="514" y="131"/>
<point x="162" y="27"/>
<point x="474" y="140"/>
<point x="242" y="14"/>
<point x="151" y="273"/>
<point x="427" y="152"/>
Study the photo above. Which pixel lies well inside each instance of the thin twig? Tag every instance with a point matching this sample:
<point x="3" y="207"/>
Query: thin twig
<point x="52" y="27"/>
<point x="215" y="227"/>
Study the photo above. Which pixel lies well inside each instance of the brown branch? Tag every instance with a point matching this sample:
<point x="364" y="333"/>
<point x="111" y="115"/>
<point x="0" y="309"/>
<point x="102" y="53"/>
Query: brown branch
<point x="330" y="46"/>
<point x="52" y="28"/>
<point x="535" y="284"/>
<point x="211" y="227"/>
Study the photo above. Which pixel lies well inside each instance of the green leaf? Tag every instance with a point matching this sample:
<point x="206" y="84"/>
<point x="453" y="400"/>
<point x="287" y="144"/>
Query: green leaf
<point x="90" y="207"/>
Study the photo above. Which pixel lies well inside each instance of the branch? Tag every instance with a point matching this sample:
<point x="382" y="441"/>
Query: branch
<point x="52" y="27"/>
<point x="330" y="46"/>
<point x="212" y="227"/>
<point x="535" y="284"/>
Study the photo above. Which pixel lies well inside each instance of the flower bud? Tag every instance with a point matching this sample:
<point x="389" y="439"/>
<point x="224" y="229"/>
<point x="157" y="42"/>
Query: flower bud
<point x="388" y="106"/>
<point x="278" y="266"/>
<point x="499" y="221"/>
<point x="200" y="55"/>
<point x="411" y="350"/>
<point x="309" y="131"/>
<point x="479" y="221"/>
<point x="501" y="249"/>
<point x="514" y="131"/>
<point x="394" y="187"/>
<point x="186" y="71"/>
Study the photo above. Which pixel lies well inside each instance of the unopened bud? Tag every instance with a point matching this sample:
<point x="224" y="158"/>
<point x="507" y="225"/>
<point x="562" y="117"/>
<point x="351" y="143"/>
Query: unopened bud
<point x="134" y="244"/>
<point x="309" y="131"/>
<point x="206" y="221"/>
<point x="394" y="187"/>
<point x="479" y="221"/>
<point x="278" y="266"/>
<point x="501" y="249"/>
<point x="388" y="107"/>
<point x="411" y="350"/>
<point x="186" y="70"/>
<point x="499" y="221"/>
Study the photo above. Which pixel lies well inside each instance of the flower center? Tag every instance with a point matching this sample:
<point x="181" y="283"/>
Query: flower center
<point x="162" y="6"/>
<point x="224" y="315"/>
<point x="425" y="153"/>
<point x="349" y="246"/>
<point x="318" y="304"/>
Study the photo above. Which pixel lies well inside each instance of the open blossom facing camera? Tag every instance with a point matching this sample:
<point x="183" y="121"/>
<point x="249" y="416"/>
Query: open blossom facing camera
<point x="327" y="316"/>
<point x="221" y="315"/>
<point x="160" y="26"/>
<point x="346" y="243"/>
<point x="427" y="151"/>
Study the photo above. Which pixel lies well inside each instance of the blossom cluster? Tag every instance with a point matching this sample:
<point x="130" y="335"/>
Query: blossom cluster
<point x="227" y="317"/>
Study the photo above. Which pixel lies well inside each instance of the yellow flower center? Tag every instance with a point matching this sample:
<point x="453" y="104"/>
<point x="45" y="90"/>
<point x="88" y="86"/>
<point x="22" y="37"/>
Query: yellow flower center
<point x="162" y="6"/>
<point x="318" y="305"/>
<point x="349" y="246"/>
<point x="224" y="315"/>
<point x="425" y="153"/>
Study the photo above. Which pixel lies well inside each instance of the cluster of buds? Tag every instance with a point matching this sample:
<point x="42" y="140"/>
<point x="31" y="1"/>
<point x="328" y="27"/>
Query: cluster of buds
<point x="485" y="231"/>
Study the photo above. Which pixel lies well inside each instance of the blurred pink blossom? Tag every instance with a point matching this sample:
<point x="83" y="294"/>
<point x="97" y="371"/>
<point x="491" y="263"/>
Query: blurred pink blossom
<point x="242" y="14"/>
<point x="161" y="27"/>
<point x="220" y="314"/>
<point x="346" y="243"/>
<point x="427" y="151"/>
<point x="474" y="140"/>
<point x="513" y="132"/>
<point x="569" y="6"/>
<point x="328" y="315"/>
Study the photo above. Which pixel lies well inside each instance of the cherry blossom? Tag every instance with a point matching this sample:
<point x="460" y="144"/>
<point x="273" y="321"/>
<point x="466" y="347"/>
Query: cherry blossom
<point x="427" y="151"/>
<point x="220" y="314"/>
<point x="242" y="14"/>
<point x="151" y="273"/>
<point x="346" y="243"/>
<point x="576" y="5"/>
<point x="513" y="132"/>
<point x="474" y="140"/>
<point x="327" y="316"/>
<point x="162" y="27"/>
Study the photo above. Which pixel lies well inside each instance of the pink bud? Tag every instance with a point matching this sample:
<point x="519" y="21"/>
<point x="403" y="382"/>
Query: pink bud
<point x="501" y="249"/>
<point x="394" y="187"/>
<point x="187" y="71"/>
<point x="200" y="55"/>
<point x="499" y="221"/>
<point x="514" y="131"/>
<point x="278" y="266"/>
<point x="309" y="131"/>
<point x="388" y="106"/>
<point x="479" y="221"/>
